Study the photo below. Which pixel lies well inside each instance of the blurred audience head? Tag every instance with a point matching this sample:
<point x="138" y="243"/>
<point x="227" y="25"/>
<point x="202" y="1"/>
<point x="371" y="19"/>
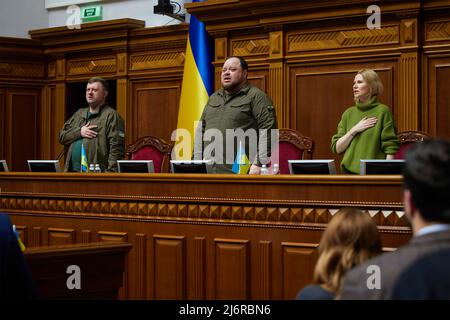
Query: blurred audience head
<point x="350" y="239"/>
<point x="427" y="181"/>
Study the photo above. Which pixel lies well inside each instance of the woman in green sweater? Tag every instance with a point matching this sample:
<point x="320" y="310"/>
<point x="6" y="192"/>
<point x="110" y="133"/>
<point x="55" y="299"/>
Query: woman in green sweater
<point x="366" y="130"/>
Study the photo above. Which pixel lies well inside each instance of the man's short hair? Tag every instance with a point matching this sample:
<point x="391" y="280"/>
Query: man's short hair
<point x="427" y="177"/>
<point x="101" y="80"/>
<point x="242" y="62"/>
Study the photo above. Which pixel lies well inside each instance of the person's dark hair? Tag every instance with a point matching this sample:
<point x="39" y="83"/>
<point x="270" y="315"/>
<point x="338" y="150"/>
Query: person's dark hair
<point x="101" y="80"/>
<point x="242" y="62"/>
<point x="427" y="177"/>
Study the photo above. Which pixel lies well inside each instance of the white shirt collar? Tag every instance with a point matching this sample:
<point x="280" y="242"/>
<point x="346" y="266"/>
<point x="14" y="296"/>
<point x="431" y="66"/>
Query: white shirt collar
<point x="433" y="228"/>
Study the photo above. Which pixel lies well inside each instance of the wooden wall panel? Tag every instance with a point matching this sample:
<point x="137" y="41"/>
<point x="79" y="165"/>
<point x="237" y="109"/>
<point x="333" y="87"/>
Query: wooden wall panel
<point x="443" y="100"/>
<point x="114" y="236"/>
<point x="54" y="146"/>
<point x="437" y="115"/>
<point x="169" y="260"/>
<point x="258" y="78"/>
<point x="299" y="260"/>
<point x="140" y="273"/>
<point x="407" y="109"/>
<point x="250" y="47"/>
<point x="90" y="67"/>
<point x="59" y="236"/>
<point x="2" y="125"/>
<point x="86" y="236"/>
<point x="232" y="269"/>
<point x="36" y="237"/>
<point x="49" y="124"/>
<point x="323" y="40"/>
<point x="23" y="116"/>
<point x="22" y="69"/>
<point x="265" y="270"/>
<point x="198" y="284"/>
<point x="320" y="94"/>
<point x="155" y="108"/>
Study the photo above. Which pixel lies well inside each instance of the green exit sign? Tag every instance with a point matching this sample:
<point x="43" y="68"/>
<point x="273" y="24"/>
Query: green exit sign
<point x="89" y="14"/>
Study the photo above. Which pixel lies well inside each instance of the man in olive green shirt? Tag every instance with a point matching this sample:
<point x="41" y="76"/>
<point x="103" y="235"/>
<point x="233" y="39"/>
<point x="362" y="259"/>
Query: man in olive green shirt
<point x="238" y="107"/>
<point x="98" y="127"/>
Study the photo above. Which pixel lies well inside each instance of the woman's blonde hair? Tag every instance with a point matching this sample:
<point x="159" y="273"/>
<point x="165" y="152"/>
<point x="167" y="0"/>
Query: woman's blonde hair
<point x="373" y="81"/>
<point x="350" y="238"/>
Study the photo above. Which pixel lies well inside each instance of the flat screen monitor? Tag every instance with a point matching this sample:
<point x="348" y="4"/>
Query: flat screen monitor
<point x="312" y="166"/>
<point x="3" y="166"/>
<point x="135" y="166"/>
<point x="44" y="165"/>
<point x="186" y="166"/>
<point x="381" y="166"/>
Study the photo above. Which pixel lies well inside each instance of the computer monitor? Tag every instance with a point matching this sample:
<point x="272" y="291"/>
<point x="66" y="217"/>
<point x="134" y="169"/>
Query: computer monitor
<point x="381" y="166"/>
<point x="3" y="166"/>
<point x="44" y="165"/>
<point x="312" y="166"/>
<point x="135" y="166"/>
<point x="186" y="166"/>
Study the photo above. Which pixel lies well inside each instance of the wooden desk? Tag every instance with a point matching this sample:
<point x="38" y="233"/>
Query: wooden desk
<point x="201" y="236"/>
<point x="100" y="268"/>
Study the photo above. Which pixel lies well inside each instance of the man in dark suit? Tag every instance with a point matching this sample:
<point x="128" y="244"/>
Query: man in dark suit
<point x="428" y="278"/>
<point x="15" y="279"/>
<point x="427" y="207"/>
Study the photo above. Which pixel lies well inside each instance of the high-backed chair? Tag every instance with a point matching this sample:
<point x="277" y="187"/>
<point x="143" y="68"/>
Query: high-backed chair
<point x="293" y="146"/>
<point x="150" y="148"/>
<point x="407" y="139"/>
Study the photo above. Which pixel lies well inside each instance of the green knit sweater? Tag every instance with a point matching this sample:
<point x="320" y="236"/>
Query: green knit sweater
<point x="373" y="143"/>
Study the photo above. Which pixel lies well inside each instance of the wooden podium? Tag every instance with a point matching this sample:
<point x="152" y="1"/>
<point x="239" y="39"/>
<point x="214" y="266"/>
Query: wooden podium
<point x="99" y="265"/>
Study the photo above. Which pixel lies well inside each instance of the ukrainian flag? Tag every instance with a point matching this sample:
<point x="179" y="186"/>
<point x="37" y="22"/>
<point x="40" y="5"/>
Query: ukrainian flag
<point x="198" y="81"/>
<point x="241" y="164"/>
<point x="84" y="163"/>
<point x="21" y="245"/>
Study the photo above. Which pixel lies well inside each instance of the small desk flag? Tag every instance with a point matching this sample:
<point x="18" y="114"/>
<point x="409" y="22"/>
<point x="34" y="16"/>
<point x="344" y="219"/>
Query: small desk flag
<point x="21" y="245"/>
<point x="84" y="163"/>
<point x="241" y="163"/>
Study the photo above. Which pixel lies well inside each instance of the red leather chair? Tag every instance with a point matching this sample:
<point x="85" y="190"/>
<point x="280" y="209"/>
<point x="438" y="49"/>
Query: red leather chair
<point x="293" y="146"/>
<point x="407" y="139"/>
<point x="150" y="148"/>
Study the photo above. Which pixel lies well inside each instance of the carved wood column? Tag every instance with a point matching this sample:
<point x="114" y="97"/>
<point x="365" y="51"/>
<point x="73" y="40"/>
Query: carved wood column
<point x="408" y="107"/>
<point x="59" y="113"/>
<point x="220" y="54"/>
<point x="50" y="146"/>
<point x="122" y="93"/>
<point x="47" y="152"/>
<point x="408" y="86"/>
<point x="276" y="77"/>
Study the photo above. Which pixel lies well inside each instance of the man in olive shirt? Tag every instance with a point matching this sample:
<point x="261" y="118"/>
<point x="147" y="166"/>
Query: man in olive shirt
<point x="98" y="127"/>
<point x="237" y="106"/>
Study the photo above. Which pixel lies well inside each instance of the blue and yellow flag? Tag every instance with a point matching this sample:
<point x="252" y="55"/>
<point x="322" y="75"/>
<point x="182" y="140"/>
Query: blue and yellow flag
<point x="198" y="81"/>
<point x="84" y="163"/>
<point x="21" y="245"/>
<point x="241" y="163"/>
